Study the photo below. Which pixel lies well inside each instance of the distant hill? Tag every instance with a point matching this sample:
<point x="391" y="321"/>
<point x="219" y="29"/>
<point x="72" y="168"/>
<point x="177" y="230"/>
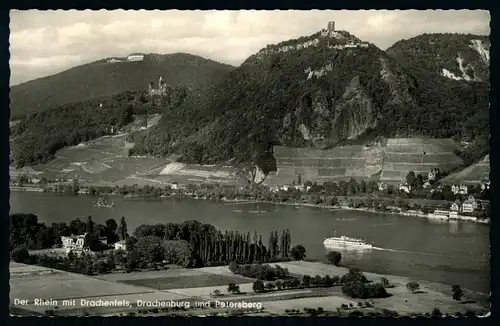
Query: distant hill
<point x="318" y="91"/>
<point x="454" y="56"/>
<point x="452" y="73"/>
<point x="102" y="78"/>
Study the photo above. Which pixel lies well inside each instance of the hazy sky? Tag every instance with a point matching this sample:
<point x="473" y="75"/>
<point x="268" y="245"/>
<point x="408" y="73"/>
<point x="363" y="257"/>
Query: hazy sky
<point x="46" y="42"/>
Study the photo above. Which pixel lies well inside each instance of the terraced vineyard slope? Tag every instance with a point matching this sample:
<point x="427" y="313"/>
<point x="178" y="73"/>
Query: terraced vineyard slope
<point x="473" y="174"/>
<point x="389" y="161"/>
<point x="402" y="155"/>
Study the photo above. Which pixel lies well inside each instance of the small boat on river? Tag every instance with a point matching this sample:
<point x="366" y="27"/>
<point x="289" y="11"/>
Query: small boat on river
<point x="103" y="202"/>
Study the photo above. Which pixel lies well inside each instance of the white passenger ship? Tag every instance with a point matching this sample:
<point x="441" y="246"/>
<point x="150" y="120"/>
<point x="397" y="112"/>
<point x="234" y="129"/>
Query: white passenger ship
<point x="346" y="242"/>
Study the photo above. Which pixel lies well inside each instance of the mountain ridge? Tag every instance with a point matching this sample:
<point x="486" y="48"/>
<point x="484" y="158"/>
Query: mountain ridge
<point x="102" y="78"/>
<point x="315" y="91"/>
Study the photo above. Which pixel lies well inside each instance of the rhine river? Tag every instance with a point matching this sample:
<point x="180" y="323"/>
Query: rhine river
<point x="450" y="252"/>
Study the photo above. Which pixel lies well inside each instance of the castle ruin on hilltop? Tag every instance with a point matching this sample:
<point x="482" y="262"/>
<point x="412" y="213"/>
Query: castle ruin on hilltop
<point x="160" y="90"/>
<point x="331" y="26"/>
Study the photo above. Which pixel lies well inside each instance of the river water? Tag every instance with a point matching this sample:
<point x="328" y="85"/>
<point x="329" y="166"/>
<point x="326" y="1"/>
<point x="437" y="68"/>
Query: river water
<point x="450" y="252"/>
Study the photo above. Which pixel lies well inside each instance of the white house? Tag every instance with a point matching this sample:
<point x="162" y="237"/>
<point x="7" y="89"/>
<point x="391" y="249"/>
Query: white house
<point x="456" y="207"/>
<point x="433" y="174"/>
<point x="470" y="205"/>
<point x="174" y="186"/>
<point x="300" y="187"/>
<point x="73" y="243"/>
<point x="120" y="245"/>
<point x="135" y="57"/>
<point x="285" y="187"/>
<point x="274" y="189"/>
<point x="405" y="187"/>
<point x="462" y="189"/>
<point x="382" y="186"/>
<point x="485" y="185"/>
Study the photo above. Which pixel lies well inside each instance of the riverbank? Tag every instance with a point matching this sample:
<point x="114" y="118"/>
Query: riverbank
<point x="348" y="208"/>
<point x="389" y="210"/>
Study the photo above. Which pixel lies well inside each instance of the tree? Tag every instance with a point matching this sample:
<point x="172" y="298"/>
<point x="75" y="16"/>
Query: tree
<point x="132" y="261"/>
<point x="91" y="242"/>
<point x="150" y="249"/>
<point x="122" y="230"/>
<point x="89" y="226"/>
<point x="410" y="178"/>
<point x="258" y="286"/>
<point x="233" y="288"/>
<point x="412" y="286"/>
<point x="111" y="228"/>
<point x="384" y="281"/>
<point x="298" y="252"/>
<point x="457" y="292"/>
<point x="334" y="257"/>
<point x="306" y="281"/>
<point x="234" y="267"/>
<point x="20" y="254"/>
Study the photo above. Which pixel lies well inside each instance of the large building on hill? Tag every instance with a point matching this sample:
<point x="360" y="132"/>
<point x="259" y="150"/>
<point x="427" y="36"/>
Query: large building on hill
<point x="135" y="57"/>
<point x="162" y="88"/>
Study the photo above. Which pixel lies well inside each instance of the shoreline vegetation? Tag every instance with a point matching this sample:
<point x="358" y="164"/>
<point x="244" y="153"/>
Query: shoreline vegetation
<point x="373" y="203"/>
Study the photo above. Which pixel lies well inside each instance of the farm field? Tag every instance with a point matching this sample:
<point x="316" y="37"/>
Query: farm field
<point x="105" y="161"/>
<point x="190" y="285"/>
<point x="188" y="281"/>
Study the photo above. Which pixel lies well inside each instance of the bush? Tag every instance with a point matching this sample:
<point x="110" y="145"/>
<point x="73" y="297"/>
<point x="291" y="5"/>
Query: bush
<point x="436" y="312"/>
<point x="233" y="288"/>
<point x="355" y="313"/>
<point x="234" y="267"/>
<point x="457" y="292"/>
<point x="412" y="286"/>
<point x="354" y="275"/>
<point x="258" y="286"/>
<point x="306" y="281"/>
<point x="358" y="289"/>
<point x="260" y="271"/>
<point x="384" y="281"/>
<point x="298" y="252"/>
<point x="180" y="252"/>
<point x="20" y="255"/>
<point x="334" y="257"/>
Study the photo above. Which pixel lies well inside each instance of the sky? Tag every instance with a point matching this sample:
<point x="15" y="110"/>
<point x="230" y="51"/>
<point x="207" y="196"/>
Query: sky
<point x="43" y="43"/>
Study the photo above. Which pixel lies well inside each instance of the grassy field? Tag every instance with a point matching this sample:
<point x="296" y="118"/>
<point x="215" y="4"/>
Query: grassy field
<point x="182" y="282"/>
<point x="472" y="174"/>
<point x="39" y="282"/>
<point x="190" y="285"/>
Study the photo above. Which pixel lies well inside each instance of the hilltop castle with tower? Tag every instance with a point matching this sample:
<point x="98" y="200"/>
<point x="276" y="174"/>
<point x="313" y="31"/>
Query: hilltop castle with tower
<point x="161" y="90"/>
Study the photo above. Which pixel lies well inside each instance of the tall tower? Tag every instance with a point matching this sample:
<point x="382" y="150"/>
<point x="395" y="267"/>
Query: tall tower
<point x="331" y="26"/>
